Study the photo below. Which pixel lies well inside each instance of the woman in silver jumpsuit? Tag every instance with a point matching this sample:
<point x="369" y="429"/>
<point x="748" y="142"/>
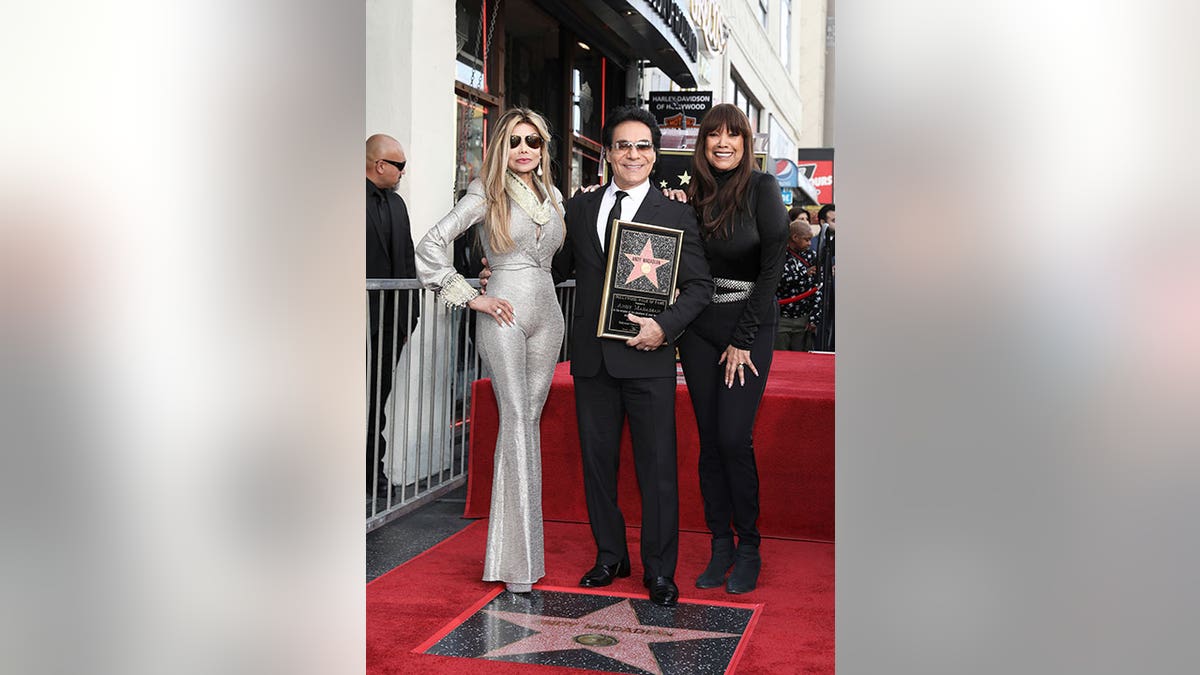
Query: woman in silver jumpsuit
<point x="521" y="226"/>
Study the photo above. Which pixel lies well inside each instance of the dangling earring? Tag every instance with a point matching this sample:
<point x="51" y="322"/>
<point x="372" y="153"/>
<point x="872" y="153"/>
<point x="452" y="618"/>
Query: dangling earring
<point x="539" y="169"/>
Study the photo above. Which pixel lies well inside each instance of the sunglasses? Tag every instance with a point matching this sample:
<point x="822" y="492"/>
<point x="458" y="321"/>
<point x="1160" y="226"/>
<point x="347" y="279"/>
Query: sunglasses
<point x="399" y="165"/>
<point x="532" y="140"/>
<point x="626" y="146"/>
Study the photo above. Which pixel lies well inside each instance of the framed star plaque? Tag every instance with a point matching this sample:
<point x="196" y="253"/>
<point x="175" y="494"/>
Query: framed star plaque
<point x="643" y="266"/>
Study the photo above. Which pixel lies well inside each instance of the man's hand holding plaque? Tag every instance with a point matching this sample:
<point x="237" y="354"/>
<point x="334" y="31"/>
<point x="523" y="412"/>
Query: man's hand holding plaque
<point x="650" y="335"/>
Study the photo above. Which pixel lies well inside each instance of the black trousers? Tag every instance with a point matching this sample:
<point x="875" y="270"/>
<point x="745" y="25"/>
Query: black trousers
<point x="602" y="404"/>
<point x="725" y="421"/>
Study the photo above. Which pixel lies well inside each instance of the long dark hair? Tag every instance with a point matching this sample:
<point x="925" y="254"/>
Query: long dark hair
<point x="715" y="206"/>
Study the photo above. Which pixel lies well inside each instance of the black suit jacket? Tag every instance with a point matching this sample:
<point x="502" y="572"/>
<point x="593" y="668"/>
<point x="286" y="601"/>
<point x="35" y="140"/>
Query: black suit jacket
<point x="582" y="257"/>
<point x="397" y="262"/>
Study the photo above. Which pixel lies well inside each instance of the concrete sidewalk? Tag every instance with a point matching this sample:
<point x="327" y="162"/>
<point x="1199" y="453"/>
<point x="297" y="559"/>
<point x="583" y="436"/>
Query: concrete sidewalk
<point x="407" y="536"/>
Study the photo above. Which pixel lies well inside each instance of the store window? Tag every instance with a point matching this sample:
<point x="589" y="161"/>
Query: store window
<point x="586" y="93"/>
<point x="474" y="20"/>
<point x="477" y="27"/>
<point x="785" y="31"/>
<point x="585" y="166"/>
<point x="743" y="100"/>
<point x="587" y="101"/>
<point x="472" y="124"/>
<point x="532" y="70"/>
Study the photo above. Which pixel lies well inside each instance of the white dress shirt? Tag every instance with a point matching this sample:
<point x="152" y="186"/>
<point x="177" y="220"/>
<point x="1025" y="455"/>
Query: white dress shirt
<point x="629" y="206"/>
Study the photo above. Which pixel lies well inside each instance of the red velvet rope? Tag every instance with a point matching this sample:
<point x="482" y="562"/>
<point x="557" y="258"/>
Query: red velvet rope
<point x="797" y="298"/>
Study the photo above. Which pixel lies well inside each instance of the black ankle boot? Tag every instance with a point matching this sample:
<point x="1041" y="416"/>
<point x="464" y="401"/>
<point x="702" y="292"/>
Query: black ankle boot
<point x="718" y="565"/>
<point x="746" y="566"/>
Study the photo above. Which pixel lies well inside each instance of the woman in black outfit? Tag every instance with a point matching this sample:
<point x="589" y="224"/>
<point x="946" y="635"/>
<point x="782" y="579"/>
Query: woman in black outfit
<point x="726" y="352"/>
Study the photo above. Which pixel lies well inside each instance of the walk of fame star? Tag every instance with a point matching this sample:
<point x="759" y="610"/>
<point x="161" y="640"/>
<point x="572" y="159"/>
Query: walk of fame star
<point x="607" y="632"/>
<point x="645" y="264"/>
<point x="614" y="631"/>
<point x="684" y="178"/>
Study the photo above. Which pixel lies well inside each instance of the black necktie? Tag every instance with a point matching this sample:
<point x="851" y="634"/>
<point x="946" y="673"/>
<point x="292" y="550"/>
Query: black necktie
<point x="613" y="214"/>
<point x="381" y="205"/>
<point x="385" y="219"/>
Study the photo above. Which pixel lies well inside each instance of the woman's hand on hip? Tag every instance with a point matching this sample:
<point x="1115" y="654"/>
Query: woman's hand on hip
<point x="501" y="310"/>
<point x="736" y="361"/>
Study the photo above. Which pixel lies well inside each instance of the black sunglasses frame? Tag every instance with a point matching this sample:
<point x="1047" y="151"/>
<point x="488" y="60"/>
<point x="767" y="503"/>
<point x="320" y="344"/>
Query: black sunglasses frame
<point x="534" y="141"/>
<point x="399" y="165"/>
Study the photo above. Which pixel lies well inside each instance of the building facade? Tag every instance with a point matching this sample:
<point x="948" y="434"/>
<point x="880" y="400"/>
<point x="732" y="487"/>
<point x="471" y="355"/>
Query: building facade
<point x="768" y="57"/>
<point x="438" y="73"/>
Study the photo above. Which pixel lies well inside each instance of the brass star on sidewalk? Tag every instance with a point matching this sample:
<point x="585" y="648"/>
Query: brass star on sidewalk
<point x="645" y="264"/>
<point x="684" y="178"/>
<point x="613" y="631"/>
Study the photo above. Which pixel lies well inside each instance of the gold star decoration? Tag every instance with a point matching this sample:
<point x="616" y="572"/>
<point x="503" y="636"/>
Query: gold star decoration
<point x="684" y="178"/>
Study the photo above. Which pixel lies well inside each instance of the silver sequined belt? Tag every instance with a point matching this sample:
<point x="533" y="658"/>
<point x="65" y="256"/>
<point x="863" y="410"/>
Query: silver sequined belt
<point x="731" y="290"/>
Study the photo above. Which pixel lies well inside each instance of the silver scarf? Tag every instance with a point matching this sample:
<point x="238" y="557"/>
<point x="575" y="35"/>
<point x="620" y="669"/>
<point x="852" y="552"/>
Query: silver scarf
<point x="524" y="197"/>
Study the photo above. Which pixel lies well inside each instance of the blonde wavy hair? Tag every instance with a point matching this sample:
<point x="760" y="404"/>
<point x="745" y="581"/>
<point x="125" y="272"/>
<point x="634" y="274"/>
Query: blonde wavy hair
<point x="495" y="164"/>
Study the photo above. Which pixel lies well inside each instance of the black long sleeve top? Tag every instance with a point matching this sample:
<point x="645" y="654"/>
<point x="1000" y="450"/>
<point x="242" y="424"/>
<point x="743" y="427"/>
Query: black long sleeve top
<point x="753" y="252"/>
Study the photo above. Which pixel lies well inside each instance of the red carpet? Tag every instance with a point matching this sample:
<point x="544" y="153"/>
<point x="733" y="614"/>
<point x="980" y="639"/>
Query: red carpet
<point x="793" y="633"/>
<point x="793" y="438"/>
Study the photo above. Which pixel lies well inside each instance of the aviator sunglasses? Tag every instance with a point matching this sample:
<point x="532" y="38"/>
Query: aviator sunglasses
<point x="534" y="141"/>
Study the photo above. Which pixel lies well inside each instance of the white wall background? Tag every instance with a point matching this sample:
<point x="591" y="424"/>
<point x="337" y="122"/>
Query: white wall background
<point x="410" y="95"/>
<point x="410" y="56"/>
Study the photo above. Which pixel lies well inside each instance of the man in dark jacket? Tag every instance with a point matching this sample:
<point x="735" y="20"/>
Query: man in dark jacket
<point x="390" y="255"/>
<point x="633" y="378"/>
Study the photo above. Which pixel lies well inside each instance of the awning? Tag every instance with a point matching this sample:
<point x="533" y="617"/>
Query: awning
<point x="637" y="30"/>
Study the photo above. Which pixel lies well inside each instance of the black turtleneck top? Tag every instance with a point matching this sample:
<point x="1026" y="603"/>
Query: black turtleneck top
<point x="753" y="252"/>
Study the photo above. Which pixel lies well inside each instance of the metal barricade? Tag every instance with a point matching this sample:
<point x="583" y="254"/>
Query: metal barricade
<point x="421" y="363"/>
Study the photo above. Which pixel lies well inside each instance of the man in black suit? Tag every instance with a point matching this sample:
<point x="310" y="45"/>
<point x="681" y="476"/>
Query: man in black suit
<point x="390" y="255"/>
<point x="635" y="378"/>
<point x="826" y="218"/>
<point x="823" y="246"/>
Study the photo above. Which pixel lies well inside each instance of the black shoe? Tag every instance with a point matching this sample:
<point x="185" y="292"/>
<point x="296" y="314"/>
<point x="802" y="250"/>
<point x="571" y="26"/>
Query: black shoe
<point x="663" y="591"/>
<point x="718" y="565"/>
<point x="746" y="566"/>
<point x="603" y="575"/>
